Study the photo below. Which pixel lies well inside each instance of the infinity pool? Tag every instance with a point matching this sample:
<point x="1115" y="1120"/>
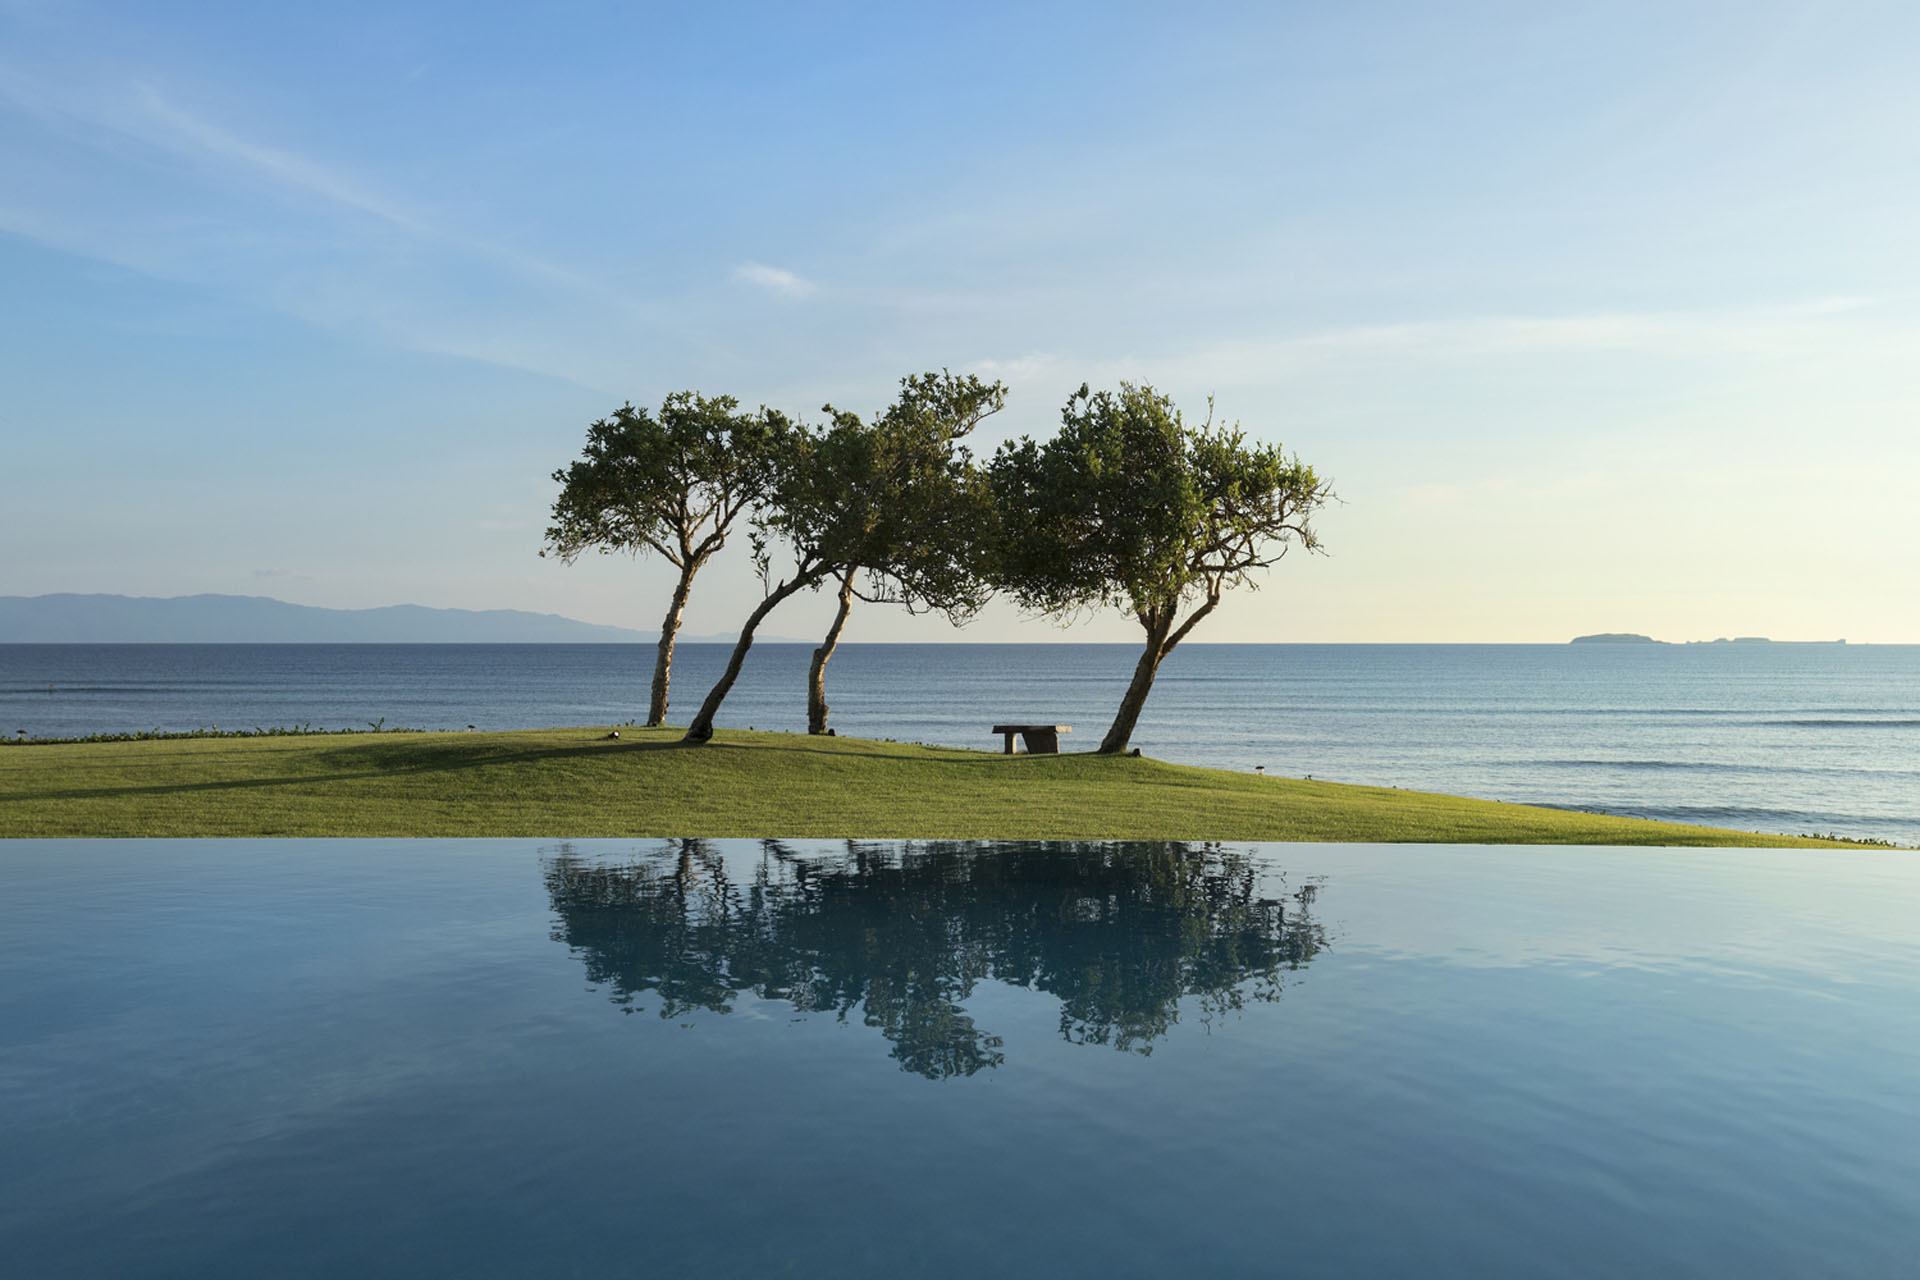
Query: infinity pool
<point x="743" y="1058"/>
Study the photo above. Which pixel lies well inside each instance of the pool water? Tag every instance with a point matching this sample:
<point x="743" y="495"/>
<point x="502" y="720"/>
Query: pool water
<point x="402" y="1057"/>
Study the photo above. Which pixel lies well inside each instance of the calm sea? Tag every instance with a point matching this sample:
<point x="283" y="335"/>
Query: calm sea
<point x="1773" y="738"/>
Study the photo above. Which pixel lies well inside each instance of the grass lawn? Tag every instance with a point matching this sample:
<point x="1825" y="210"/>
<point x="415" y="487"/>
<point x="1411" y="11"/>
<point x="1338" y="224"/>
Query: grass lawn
<point x="576" y="783"/>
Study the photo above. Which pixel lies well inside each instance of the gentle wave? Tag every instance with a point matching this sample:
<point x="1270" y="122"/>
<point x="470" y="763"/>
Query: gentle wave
<point x="57" y="689"/>
<point x="1710" y="766"/>
<point x="1842" y="724"/>
<point x="1724" y="815"/>
<point x="1726" y="766"/>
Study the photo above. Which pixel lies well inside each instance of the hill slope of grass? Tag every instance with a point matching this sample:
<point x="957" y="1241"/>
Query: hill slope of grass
<point x="579" y="783"/>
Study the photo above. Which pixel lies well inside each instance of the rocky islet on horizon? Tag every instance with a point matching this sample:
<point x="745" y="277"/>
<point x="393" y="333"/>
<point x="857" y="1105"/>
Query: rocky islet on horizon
<point x="1630" y="637"/>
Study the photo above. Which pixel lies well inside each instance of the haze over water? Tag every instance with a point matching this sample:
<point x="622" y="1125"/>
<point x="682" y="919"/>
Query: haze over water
<point x="1781" y="739"/>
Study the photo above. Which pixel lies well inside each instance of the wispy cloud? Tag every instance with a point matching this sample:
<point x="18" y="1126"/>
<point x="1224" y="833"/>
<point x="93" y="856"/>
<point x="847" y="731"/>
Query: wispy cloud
<point x="1691" y="331"/>
<point x="182" y="131"/>
<point x="191" y="134"/>
<point x="775" y="280"/>
<point x="1783" y="330"/>
<point x="1015" y="368"/>
<point x="387" y="259"/>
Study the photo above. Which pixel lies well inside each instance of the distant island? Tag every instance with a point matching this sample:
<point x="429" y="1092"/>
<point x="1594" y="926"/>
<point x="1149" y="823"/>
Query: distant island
<point x="1762" y="640"/>
<point x="221" y="619"/>
<point x="1628" y="637"/>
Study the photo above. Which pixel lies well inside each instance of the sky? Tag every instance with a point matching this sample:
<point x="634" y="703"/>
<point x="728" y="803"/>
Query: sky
<point x="1599" y="317"/>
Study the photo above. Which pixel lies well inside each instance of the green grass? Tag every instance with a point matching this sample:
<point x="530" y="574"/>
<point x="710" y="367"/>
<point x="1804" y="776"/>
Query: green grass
<point x="577" y="783"/>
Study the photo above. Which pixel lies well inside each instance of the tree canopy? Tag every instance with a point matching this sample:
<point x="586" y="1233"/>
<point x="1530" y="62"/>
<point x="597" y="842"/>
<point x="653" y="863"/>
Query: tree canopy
<point x="1127" y="507"/>
<point x="673" y="484"/>
<point x="894" y="502"/>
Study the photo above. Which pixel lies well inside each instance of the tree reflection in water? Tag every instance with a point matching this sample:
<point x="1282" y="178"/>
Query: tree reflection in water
<point x="1120" y="933"/>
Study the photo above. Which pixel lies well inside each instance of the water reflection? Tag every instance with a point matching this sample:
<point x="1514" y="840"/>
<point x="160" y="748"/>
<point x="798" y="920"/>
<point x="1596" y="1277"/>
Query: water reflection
<point x="901" y="932"/>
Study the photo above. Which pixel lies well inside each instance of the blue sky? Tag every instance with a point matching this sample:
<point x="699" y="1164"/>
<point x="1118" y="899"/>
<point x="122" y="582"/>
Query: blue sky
<point x="1600" y="317"/>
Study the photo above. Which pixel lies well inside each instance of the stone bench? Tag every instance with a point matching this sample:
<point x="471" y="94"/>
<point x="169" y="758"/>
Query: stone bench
<point x="1041" y="739"/>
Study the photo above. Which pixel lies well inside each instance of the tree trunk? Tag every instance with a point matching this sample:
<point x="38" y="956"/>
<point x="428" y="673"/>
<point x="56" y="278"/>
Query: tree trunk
<point x="663" y="664"/>
<point x="817" y="673"/>
<point x="701" y="730"/>
<point x="1162" y="636"/>
<point x="1137" y="689"/>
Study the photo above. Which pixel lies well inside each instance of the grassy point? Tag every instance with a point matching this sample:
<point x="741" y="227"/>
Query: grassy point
<point x="581" y="783"/>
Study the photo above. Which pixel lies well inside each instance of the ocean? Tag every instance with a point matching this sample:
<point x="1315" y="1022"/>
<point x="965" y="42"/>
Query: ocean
<point x="1777" y="738"/>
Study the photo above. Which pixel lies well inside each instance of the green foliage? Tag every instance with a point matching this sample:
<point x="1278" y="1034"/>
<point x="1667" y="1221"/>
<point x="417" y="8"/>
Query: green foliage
<point x="895" y="499"/>
<point x="673" y="484"/>
<point x="1128" y="507"/>
<point x="943" y="523"/>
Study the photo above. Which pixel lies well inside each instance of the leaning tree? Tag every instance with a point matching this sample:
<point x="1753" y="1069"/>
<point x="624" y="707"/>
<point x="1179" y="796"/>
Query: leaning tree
<point x="1128" y="507"/>
<point x="895" y="500"/>
<point x="937" y="538"/>
<point x="674" y="484"/>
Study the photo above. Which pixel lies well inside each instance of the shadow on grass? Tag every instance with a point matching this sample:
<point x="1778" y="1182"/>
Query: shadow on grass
<point x="376" y="762"/>
<point x="912" y="752"/>
<point x="463" y="754"/>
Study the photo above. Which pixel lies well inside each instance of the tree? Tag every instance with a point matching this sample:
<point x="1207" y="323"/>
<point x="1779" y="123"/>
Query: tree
<point x="673" y="484"/>
<point x="938" y="565"/>
<point x="1127" y="507"/>
<point x="896" y="499"/>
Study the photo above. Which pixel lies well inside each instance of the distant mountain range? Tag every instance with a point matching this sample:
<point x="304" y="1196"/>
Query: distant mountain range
<point x="214" y="619"/>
